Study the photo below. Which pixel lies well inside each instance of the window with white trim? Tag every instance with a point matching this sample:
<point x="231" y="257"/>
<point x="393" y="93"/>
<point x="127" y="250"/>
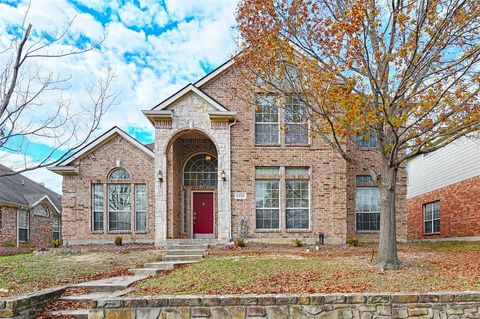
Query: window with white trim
<point x="23" y="225"/>
<point x="40" y="210"/>
<point x="201" y="170"/>
<point x="367" y="207"/>
<point x="56" y="227"/>
<point x="97" y="207"/>
<point x="296" y="122"/>
<point x="140" y="207"/>
<point x="266" y="120"/>
<point x="431" y="213"/>
<point x="119" y="207"/>
<point x="367" y="139"/>
<point x="267" y="198"/>
<point x="119" y="174"/>
<point x="297" y="204"/>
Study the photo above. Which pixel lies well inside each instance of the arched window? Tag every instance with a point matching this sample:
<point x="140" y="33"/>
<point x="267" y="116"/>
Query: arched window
<point x="200" y="170"/>
<point x="119" y="173"/>
<point x="40" y="210"/>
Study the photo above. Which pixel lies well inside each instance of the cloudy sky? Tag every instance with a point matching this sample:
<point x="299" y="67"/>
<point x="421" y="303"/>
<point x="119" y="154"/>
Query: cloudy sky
<point x="154" y="46"/>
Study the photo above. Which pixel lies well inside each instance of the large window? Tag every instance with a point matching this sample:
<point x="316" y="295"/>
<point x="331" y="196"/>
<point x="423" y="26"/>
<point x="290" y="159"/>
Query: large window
<point x="367" y="204"/>
<point x="97" y="207"/>
<point x="201" y="170"/>
<point x="56" y="227"/>
<point x="267" y="198"/>
<point x="367" y="139"/>
<point x="119" y="207"/>
<point x="23" y="223"/>
<point x="140" y="207"/>
<point x="431" y="213"/>
<point x="266" y="121"/>
<point x="296" y="122"/>
<point x="297" y="204"/>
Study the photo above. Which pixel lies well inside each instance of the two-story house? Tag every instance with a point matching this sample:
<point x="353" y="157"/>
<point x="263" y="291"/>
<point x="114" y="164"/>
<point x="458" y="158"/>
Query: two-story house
<point x="220" y="168"/>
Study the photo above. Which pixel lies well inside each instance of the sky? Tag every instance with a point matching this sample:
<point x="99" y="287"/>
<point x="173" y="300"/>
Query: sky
<point x="155" y="47"/>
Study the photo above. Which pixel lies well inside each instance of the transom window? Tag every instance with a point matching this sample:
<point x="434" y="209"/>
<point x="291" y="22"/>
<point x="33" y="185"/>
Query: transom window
<point x="266" y="120"/>
<point x="364" y="179"/>
<point x="296" y="121"/>
<point x="367" y="206"/>
<point x="119" y="174"/>
<point x="431" y="213"/>
<point x="201" y="170"/>
<point x="40" y="210"/>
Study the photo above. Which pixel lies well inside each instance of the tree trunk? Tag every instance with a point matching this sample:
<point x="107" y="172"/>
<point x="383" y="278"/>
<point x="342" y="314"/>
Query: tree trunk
<point x="387" y="249"/>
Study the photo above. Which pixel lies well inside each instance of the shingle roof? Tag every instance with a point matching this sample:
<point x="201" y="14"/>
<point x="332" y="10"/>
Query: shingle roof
<point x="150" y="146"/>
<point x="20" y="190"/>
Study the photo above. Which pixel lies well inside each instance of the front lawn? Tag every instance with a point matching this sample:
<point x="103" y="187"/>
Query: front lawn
<point x="30" y="272"/>
<point x="279" y="269"/>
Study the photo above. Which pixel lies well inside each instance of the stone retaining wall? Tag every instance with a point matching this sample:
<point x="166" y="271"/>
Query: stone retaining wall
<point x="448" y="305"/>
<point x="28" y="305"/>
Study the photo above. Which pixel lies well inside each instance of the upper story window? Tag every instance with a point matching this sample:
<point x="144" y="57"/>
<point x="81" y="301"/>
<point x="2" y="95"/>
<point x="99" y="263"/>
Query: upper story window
<point x="40" y="210"/>
<point x="367" y="139"/>
<point x="364" y="179"/>
<point x="267" y="126"/>
<point x="296" y="121"/>
<point x="201" y="170"/>
<point x="431" y="213"/>
<point x="119" y="173"/>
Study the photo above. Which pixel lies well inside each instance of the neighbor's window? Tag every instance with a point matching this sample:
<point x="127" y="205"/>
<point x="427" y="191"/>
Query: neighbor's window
<point x="367" y="206"/>
<point x="56" y="227"/>
<point x="140" y="207"/>
<point x="40" y="210"/>
<point x="23" y="225"/>
<point x="267" y="199"/>
<point x="97" y="207"/>
<point x="266" y="120"/>
<point x="431" y="213"/>
<point x="296" y="122"/>
<point x="201" y="170"/>
<point x="297" y="204"/>
<point x="119" y="207"/>
<point x="367" y="139"/>
<point x="119" y="174"/>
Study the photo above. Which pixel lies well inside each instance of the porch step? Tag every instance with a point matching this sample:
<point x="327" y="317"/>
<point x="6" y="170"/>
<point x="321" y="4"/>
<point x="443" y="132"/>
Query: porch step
<point x="177" y="251"/>
<point x="182" y="258"/>
<point x="95" y="296"/>
<point x="146" y="271"/>
<point x="167" y="265"/>
<point x="110" y="284"/>
<point x="187" y="247"/>
<point x="77" y="313"/>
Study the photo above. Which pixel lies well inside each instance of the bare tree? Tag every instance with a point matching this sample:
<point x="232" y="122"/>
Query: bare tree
<point x="405" y="71"/>
<point x="25" y="84"/>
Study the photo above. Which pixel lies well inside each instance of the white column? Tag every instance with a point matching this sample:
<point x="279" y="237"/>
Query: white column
<point x="160" y="193"/>
<point x="224" y="195"/>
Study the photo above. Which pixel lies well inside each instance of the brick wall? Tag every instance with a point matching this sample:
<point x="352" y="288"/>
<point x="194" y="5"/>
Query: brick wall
<point x="94" y="168"/>
<point x="459" y="210"/>
<point x="9" y="225"/>
<point x="332" y="180"/>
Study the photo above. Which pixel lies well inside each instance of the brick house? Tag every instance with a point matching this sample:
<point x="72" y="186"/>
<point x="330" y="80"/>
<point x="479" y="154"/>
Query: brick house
<point x="444" y="192"/>
<point x="220" y="168"/>
<point x="29" y="212"/>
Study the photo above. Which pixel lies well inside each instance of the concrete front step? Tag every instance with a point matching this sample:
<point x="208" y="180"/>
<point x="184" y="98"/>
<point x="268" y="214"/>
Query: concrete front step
<point x="78" y="313"/>
<point x="177" y="252"/>
<point x="187" y="247"/>
<point x="110" y="284"/>
<point x="167" y="265"/>
<point x="146" y="271"/>
<point x="181" y="258"/>
<point x="96" y="296"/>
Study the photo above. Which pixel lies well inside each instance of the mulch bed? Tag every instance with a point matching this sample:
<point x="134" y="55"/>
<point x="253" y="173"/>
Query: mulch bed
<point x="9" y="251"/>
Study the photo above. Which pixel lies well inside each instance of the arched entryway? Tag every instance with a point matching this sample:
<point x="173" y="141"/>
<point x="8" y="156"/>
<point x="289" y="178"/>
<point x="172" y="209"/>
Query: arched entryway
<point x="192" y="181"/>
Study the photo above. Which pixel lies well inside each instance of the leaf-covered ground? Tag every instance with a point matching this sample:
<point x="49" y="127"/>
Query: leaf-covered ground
<point x="280" y="269"/>
<point x="30" y="272"/>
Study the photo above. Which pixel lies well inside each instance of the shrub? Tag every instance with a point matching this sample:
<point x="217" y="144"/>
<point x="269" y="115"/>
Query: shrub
<point x="239" y="242"/>
<point x="118" y="240"/>
<point x="55" y="243"/>
<point x="297" y="243"/>
<point x="352" y="241"/>
<point x="9" y="243"/>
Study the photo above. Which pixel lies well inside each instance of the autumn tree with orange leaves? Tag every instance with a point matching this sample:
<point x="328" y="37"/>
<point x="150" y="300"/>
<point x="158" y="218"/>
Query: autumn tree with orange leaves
<point x="408" y="71"/>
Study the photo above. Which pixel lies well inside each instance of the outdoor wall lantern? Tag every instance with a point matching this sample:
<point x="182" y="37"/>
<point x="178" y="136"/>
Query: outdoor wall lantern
<point x="224" y="176"/>
<point x="160" y="176"/>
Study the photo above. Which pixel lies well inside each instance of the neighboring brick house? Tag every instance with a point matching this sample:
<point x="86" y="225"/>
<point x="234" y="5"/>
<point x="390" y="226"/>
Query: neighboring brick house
<point x="220" y="168"/>
<point x="444" y="193"/>
<point x="30" y="213"/>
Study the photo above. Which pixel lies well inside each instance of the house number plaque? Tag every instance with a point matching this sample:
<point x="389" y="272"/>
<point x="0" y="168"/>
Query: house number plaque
<point x="240" y="195"/>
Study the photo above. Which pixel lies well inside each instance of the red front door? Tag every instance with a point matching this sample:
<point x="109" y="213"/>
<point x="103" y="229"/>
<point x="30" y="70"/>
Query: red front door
<point x="203" y="213"/>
